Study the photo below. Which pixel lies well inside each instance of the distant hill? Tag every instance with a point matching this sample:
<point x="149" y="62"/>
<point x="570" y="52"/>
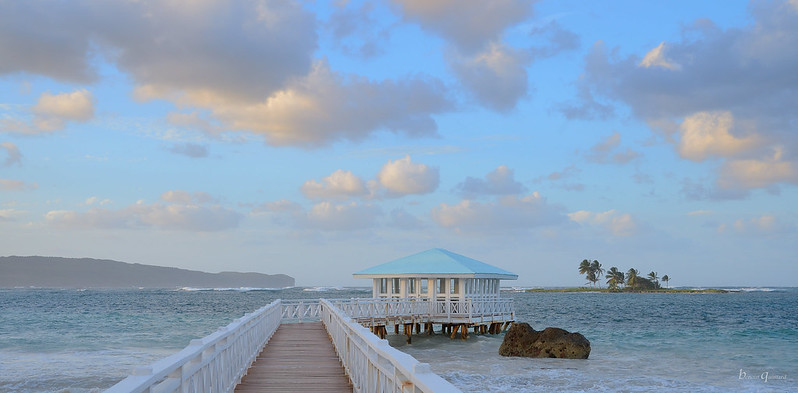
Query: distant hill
<point x="53" y="272"/>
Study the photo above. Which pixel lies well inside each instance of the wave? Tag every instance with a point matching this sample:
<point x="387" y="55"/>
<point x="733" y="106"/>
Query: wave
<point x="755" y="289"/>
<point x="328" y="289"/>
<point x="240" y="289"/>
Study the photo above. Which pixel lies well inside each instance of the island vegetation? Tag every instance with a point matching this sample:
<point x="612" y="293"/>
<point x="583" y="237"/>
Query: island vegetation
<point x="618" y="281"/>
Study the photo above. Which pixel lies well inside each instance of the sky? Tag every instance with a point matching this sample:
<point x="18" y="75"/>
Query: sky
<point x="319" y="138"/>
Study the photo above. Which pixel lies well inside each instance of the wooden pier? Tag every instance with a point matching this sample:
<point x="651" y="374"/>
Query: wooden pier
<point x="298" y="358"/>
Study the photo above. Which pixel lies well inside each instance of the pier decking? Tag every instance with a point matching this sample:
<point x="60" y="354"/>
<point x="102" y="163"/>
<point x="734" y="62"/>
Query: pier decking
<point x="299" y="358"/>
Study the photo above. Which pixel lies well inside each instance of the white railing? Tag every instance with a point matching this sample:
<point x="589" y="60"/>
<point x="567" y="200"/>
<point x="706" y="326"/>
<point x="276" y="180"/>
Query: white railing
<point x="214" y="363"/>
<point x="372" y="364"/>
<point x="301" y="310"/>
<point x="470" y="310"/>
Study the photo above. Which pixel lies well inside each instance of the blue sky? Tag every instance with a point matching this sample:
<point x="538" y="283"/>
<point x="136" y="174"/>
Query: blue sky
<point x="319" y="138"/>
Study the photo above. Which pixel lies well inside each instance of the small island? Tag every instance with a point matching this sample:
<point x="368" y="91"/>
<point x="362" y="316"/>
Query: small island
<point x="618" y="281"/>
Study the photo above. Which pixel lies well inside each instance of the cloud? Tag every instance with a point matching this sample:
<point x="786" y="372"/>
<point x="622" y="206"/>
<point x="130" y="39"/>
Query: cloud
<point x="559" y="40"/>
<point x="57" y="45"/>
<point x="763" y="225"/>
<point x="401" y="219"/>
<point x="327" y="216"/>
<point x="185" y="197"/>
<point x="340" y="184"/>
<point x="506" y="214"/>
<point x="183" y="212"/>
<point x="706" y="134"/>
<point x="188" y="149"/>
<point x="500" y="181"/>
<point x="620" y="224"/>
<point x="13" y="156"/>
<point x="236" y="66"/>
<point x="403" y="177"/>
<point x="602" y="152"/>
<point x="656" y="58"/>
<point x="724" y="93"/>
<point x="9" y="215"/>
<point x="355" y="30"/>
<point x="324" y="216"/>
<point x="241" y="49"/>
<point x="16" y="185"/>
<point x="468" y="24"/>
<point x="756" y="173"/>
<point x="492" y="71"/>
<point x="95" y="200"/>
<point x="496" y="77"/>
<point x="53" y="111"/>
<point x="324" y="107"/>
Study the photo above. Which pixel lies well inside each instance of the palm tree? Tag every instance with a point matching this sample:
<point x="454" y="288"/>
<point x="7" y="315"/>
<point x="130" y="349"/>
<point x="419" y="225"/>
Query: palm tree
<point x="612" y="277"/>
<point x="666" y="279"/>
<point x="631" y="278"/>
<point x="597" y="271"/>
<point x="620" y="278"/>
<point x="653" y="277"/>
<point x="591" y="276"/>
<point x="584" y="268"/>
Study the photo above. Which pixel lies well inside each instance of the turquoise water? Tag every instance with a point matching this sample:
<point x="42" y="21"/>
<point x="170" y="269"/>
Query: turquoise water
<point x="87" y="340"/>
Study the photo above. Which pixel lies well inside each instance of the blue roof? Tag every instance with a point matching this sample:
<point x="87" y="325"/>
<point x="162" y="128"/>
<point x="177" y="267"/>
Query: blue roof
<point x="437" y="261"/>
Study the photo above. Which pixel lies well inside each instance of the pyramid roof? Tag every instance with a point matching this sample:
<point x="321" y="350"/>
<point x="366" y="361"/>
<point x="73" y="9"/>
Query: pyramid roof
<point x="436" y="262"/>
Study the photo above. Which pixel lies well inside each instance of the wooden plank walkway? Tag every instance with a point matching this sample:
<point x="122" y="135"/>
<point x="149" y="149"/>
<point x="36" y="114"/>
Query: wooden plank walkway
<point x="298" y="358"/>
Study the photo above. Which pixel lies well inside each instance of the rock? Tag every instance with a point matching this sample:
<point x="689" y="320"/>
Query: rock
<point x="523" y="340"/>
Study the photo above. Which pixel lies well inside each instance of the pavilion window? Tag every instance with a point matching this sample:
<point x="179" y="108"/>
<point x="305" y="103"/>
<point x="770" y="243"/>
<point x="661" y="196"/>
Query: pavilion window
<point x="440" y="285"/>
<point x="395" y="288"/>
<point x="424" y="286"/>
<point x="411" y="285"/>
<point x="454" y="285"/>
<point x="384" y="285"/>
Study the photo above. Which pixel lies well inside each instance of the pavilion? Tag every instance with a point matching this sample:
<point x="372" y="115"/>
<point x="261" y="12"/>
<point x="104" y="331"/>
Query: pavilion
<point x="443" y="288"/>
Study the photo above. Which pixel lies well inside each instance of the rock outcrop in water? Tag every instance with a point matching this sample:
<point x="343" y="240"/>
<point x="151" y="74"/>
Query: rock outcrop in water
<point x="523" y="340"/>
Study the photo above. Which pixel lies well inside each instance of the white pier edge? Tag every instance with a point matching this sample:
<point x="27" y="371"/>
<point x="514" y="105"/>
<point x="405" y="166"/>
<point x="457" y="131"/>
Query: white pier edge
<point x="217" y="362"/>
<point x="372" y="364"/>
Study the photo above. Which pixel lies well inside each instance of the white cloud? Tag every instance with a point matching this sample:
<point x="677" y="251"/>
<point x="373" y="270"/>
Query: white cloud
<point x="403" y="177"/>
<point x="188" y="149"/>
<point x="763" y="225"/>
<point x="185" y="197"/>
<point x="95" y="200"/>
<point x="16" y="185"/>
<point x="496" y="77"/>
<point x="656" y="58"/>
<point x="10" y="214"/>
<point x="53" y="111"/>
<point x="468" y="24"/>
<point x="605" y="151"/>
<point x="327" y="216"/>
<point x="323" y="216"/>
<point x="403" y="220"/>
<point x="324" y="107"/>
<point x="182" y="214"/>
<point x="508" y="213"/>
<point x="500" y="181"/>
<point x="729" y="100"/>
<point x="620" y="224"/>
<point x="340" y="184"/>
<point x="755" y="173"/>
<point x="13" y="156"/>
<point x="706" y="134"/>
<point x="492" y="71"/>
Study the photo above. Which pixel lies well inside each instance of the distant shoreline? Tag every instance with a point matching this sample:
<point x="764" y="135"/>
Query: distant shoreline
<point x="607" y="290"/>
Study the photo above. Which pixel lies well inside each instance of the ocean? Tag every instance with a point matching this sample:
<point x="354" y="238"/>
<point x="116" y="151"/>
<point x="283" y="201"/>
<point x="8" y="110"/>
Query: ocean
<point x="79" y="341"/>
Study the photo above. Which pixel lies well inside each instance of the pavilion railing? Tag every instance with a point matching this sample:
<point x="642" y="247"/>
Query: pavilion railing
<point x="215" y="363"/>
<point x="473" y="310"/>
<point x="301" y="310"/>
<point x="372" y="364"/>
